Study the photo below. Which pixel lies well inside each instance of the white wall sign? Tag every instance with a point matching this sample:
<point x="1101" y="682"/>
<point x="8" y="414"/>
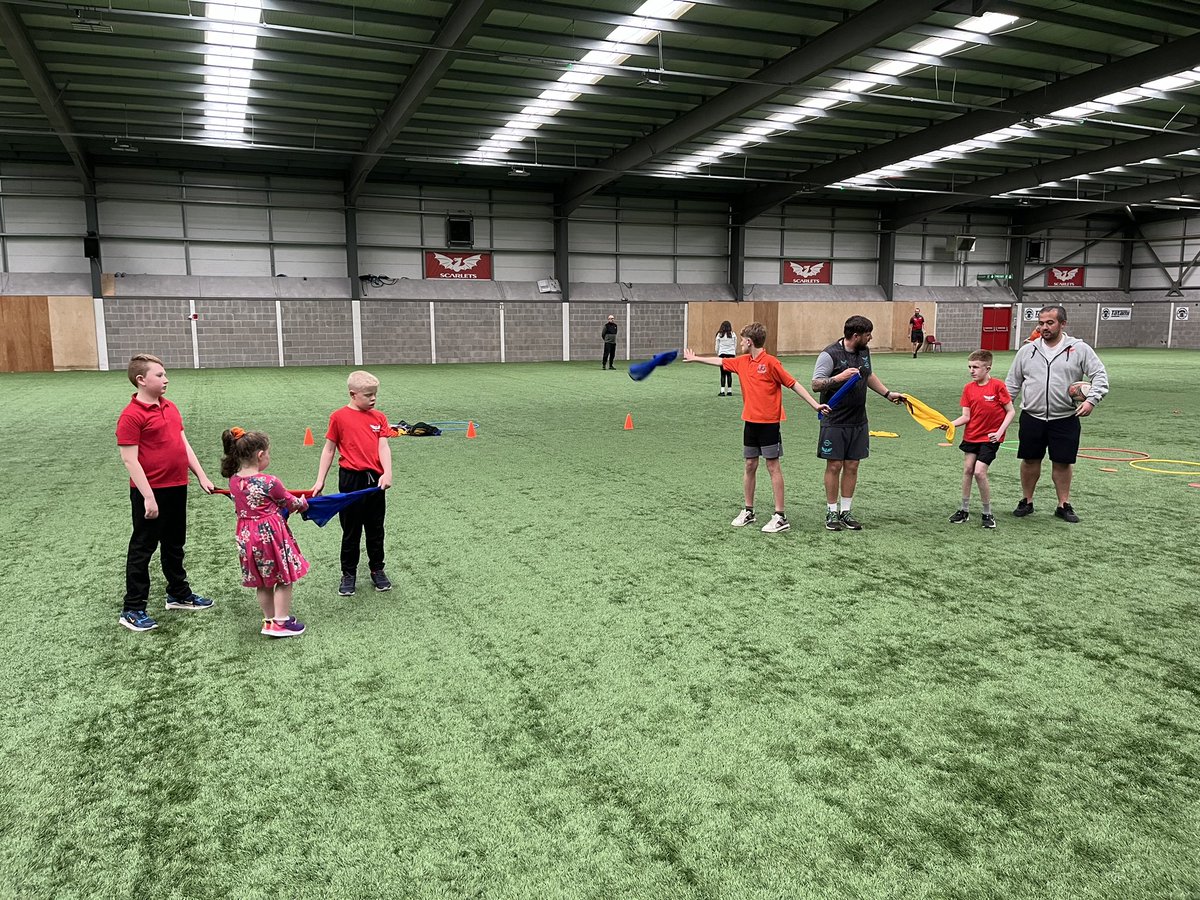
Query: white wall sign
<point x="1116" y="313"/>
<point x="1181" y="314"/>
<point x="1030" y="314"/>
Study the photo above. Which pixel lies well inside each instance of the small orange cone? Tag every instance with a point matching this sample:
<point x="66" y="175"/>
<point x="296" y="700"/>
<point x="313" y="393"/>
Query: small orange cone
<point x="470" y="429"/>
<point x="629" y="422"/>
<point x="308" y="438"/>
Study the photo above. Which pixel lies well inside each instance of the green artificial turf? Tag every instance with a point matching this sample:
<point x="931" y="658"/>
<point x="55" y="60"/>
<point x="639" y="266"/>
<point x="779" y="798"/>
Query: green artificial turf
<point x="586" y="684"/>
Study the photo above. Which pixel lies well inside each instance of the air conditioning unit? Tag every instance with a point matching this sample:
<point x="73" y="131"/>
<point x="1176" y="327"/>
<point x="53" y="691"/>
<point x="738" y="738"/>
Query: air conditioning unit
<point x="960" y="243"/>
<point x="549" y="286"/>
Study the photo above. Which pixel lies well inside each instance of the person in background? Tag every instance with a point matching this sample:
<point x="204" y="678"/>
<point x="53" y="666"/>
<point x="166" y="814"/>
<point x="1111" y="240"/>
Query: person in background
<point x="726" y="347"/>
<point x="609" y="335"/>
<point x="916" y="327"/>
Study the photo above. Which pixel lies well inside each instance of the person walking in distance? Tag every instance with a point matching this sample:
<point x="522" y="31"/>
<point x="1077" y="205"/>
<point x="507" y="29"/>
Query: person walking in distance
<point x="916" y="326"/>
<point x="726" y="347"/>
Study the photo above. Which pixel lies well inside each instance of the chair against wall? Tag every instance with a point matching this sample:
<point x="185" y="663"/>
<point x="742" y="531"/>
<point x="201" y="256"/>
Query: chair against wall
<point x="932" y="344"/>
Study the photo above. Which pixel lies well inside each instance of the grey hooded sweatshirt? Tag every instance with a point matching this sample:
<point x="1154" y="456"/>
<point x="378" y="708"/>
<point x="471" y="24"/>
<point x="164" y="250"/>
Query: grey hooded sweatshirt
<point x="1041" y="375"/>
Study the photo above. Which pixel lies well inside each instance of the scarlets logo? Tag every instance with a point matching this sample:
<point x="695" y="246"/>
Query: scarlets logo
<point x="1073" y="277"/>
<point x="807" y="271"/>
<point x="458" y="265"/>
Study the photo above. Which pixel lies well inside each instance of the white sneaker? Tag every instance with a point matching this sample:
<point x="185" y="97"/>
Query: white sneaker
<point x="778" y="523"/>
<point x="745" y="517"/>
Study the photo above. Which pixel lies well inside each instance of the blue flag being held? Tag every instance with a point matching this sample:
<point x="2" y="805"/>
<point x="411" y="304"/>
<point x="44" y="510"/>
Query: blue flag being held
<point x="638" y="371"/>
<point x="323" y="508"/>
<point x="841" y="392"/>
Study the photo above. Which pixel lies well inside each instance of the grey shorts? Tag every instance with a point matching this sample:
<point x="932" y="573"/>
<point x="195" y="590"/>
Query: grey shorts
<point x="841" y="442"/>
<point x="762" y="439"/>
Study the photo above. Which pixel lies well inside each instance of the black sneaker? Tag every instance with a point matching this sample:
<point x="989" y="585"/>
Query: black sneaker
<point x="989" y="521"/>
<point x="1066" y="513"/>
<point x="960" y="516"/>
<point x="832" y="522"/>
<point x="380" y="580"/>
<point x="346" y="588"/>
<point x="1024" y="508"/>
<point x="848" y="521"/>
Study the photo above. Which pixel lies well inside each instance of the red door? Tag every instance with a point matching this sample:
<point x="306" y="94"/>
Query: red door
<point x="996" y="328"/>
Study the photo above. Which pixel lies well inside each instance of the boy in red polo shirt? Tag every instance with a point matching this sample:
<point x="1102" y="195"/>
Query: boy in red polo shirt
<point x="158" y="456"/>
<point x="358" y="433"/>
<point x="761" y="377"/>
<point x="987" y="410"/>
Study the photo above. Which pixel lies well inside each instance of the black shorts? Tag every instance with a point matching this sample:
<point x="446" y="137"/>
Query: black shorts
<point x="840" y="442"/>
<point x="918" y="337"/>
<point x="1059" y="436"/>
<point x="985" y="451"/>
<point x="762" y="439"/>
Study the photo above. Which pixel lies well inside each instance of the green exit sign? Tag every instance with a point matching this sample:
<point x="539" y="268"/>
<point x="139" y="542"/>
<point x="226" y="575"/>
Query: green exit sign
<point x="993" y="276"/>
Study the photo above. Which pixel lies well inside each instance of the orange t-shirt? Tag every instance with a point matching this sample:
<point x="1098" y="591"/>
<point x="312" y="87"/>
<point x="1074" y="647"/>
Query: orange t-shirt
<point x="356" y="433"/>
<point x="762" y="380"/>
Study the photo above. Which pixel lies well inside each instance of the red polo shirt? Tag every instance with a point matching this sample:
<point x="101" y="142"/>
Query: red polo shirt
<point x="156" y="429"/>
<point x="356" y="433"/>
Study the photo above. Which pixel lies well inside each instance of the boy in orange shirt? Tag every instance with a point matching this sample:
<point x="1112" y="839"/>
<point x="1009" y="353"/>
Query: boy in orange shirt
<point x="358" y="432"/>
<point x="761" y="377"/>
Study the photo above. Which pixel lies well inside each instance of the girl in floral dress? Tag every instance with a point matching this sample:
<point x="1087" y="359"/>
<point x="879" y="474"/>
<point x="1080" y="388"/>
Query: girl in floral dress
<point x="271" y="560"/>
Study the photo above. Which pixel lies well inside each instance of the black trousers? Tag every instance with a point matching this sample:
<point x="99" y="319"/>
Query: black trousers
<point x="610" y="353"/>
<point x="726" y="377"/>
<point x="364" y="516"/>
<point x="167" y="533"/>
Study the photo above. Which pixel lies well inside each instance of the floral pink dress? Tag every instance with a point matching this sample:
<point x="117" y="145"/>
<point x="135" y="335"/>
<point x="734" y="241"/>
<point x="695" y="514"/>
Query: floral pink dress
<point x="266" y="548"/>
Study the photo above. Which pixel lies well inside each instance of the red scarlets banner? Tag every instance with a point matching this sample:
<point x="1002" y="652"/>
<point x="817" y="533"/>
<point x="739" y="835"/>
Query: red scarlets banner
<point x="796" y="271"/>
<point x="1065" y="276"/>
<point x="455" y="264"/>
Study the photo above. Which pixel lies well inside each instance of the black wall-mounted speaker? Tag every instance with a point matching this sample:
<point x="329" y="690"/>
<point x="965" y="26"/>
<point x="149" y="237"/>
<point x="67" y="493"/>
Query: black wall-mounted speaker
<point x="91" y="247"/>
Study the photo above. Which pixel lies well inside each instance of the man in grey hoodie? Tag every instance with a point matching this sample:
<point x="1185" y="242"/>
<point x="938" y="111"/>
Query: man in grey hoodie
<point x="1041" y="373"/>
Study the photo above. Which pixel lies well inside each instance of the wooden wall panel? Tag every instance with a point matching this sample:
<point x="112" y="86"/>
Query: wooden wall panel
<point x="25" y="335"/>
<point x="73" y="333"/>
<point x="805" y="327"/>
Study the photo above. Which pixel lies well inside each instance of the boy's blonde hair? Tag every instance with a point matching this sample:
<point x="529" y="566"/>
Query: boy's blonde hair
<point x="139" y="364"/>
<point x="983" y="356"/>
<point x="362" y="382"/>
<point x="756" y="332"/>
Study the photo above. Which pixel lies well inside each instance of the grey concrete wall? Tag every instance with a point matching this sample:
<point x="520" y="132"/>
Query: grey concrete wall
<point x="533" y="331"/>
<point x="160" y="327"/>
<point x="467" y="332"/>
<point x="232" y="333"/>
<point x="656" y="327"/>
<point x="317" y="333"/>
<point x="395" y="331"/>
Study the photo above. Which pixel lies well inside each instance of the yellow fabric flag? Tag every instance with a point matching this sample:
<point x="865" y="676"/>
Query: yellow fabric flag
<point x="927" y="416"/>
<point x="883" y="434"/>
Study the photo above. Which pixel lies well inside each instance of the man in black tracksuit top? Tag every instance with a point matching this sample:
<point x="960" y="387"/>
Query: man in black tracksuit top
<point x="609" y="335"/>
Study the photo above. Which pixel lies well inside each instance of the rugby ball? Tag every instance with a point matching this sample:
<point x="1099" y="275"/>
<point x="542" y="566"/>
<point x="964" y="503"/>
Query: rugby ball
<point x="1078" y="392"/>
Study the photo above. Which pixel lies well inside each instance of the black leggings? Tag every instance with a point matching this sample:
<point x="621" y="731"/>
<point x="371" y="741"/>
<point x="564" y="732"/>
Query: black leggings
<point x="726" y="377"/>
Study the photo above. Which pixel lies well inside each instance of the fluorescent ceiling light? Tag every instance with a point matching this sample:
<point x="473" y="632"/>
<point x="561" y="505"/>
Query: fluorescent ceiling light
<point x="230" y="38"/>
<point x="551" y="101"/>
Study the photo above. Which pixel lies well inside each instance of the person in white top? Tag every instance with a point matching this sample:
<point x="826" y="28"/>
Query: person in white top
<point x="726" y="348"/>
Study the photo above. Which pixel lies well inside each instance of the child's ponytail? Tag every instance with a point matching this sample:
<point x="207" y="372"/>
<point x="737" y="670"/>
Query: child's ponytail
<point x="240" y="447"/>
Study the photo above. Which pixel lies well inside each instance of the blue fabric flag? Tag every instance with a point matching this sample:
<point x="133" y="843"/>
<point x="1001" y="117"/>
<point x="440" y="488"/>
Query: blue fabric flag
<point x="841" y="392"/>
<point x="323" y="508"/>
<point x="638" y="371"/>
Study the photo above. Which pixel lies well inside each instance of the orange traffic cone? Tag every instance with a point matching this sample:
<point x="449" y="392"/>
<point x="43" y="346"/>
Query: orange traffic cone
<point x="470" y="429"/>
<point x="308" y="438"/>
<point x="629" y="422"/>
